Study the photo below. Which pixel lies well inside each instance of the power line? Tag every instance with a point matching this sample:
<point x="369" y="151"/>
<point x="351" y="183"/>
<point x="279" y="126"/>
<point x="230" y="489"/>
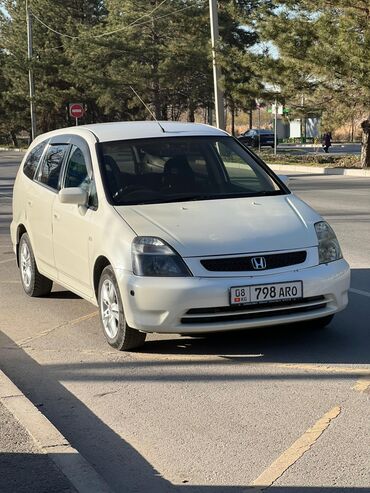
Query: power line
<point x="134" y="23"/>
<point x="51" y="29"/>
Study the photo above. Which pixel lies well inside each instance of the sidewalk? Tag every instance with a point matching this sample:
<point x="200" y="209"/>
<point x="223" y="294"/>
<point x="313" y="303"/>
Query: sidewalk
<point x="23" y="467"/>
<point x="312" y="170"/>
<point x="34" y="456"/>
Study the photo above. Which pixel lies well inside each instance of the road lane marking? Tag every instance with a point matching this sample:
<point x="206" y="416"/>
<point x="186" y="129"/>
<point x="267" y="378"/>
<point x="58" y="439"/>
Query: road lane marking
<point x="325" y="369"/>
<point x="7" y="260"/>
<point x="362" y="385"/>
<point x="295" y="451"/>
<point x="360" y="291"/>
<point x="46" y="332"/>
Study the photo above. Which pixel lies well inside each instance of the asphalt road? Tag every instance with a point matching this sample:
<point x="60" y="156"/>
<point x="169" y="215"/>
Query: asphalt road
<point x="282" y="407"/>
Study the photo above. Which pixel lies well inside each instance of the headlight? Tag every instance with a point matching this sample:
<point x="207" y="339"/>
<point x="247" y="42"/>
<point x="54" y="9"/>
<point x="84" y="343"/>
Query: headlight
<point x="153" y="257"/>
<point x="329" y="249"/>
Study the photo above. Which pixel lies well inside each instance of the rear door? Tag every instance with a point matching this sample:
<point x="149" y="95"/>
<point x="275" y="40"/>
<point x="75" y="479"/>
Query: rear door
<point x="72" y="224"/>
<point x="40" y="203"/>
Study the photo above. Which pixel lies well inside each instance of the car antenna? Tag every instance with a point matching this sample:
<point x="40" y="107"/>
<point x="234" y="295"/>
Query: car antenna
<point x="147" y="107"/>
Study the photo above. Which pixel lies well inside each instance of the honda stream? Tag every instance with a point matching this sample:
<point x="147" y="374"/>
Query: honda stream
<point x="172" y="228"/>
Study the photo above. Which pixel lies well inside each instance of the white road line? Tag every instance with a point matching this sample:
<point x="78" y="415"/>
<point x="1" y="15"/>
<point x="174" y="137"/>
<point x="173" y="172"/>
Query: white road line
<point x="360" y="291"/>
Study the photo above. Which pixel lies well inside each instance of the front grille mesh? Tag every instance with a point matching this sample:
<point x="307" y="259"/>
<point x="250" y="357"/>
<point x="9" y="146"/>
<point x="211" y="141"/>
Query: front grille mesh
<point x="239" y="264"/>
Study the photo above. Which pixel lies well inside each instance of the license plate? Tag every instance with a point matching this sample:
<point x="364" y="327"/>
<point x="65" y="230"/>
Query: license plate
<point x="266" y="293"/>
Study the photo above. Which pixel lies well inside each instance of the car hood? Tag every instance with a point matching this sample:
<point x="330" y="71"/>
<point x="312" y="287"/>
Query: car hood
<point x="227" y="226"/>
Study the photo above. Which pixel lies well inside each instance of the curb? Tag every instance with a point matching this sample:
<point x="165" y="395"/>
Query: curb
<point x="16" y="149"/>
<point x="323" y="171"/>
<point x="50" y="441"/>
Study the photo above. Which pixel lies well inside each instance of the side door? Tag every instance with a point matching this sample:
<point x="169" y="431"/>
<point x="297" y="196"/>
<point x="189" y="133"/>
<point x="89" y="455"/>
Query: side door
<point x="72" y="223"/>
<point x="40" y="204"/>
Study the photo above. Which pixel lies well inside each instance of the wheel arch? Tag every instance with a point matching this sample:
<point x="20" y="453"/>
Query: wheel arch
<point x="100" y="264"/>
<point x="21" y="229"/>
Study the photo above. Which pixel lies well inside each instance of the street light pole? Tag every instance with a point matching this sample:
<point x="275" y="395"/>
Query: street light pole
<point x="219" y="96"/>
<point x="275" y="125"/>
<point x="30" y="72"/>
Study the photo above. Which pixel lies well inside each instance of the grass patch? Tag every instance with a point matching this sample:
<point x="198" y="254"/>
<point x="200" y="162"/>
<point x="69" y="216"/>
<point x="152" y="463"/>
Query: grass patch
<point x="325" y="161"/>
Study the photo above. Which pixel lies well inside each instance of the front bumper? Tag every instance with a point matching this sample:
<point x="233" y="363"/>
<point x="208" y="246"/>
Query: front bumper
<point x="162" y="304"/>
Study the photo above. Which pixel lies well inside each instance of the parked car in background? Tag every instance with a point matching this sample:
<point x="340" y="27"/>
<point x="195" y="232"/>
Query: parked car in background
<point x="255" y="137"/>
<point x="172" y="229"/>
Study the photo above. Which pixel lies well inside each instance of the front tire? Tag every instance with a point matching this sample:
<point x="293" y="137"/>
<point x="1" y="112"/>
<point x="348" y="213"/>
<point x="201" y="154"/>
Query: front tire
<point x="116" y="330"/>
<point x="34" y="283"/>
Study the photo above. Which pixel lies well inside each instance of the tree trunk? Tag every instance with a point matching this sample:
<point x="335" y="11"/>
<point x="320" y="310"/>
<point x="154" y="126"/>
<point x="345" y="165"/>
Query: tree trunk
<point x="365" y="149"/>
<point x="13" y="136"/>
<point x="191" y="112"/>
<point x="232" y="111"/>
<point x="251" y="118"/>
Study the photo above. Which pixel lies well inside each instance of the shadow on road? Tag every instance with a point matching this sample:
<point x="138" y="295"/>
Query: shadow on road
<point x="33" y="473"/>
<point x="346" y="341"/>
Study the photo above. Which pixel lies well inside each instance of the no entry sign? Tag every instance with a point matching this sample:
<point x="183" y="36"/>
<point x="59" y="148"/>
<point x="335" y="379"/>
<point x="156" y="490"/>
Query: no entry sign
<point x="76" y="110"/>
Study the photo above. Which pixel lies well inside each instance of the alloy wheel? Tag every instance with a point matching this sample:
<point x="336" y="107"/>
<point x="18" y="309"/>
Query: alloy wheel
<point x="109" y="308"/>
<point x="26" y="265"/>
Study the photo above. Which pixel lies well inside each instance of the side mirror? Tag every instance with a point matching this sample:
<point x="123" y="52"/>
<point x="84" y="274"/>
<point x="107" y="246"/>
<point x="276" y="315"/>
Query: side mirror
<point x="284" y="179"/>
<point x="73" y="196"/>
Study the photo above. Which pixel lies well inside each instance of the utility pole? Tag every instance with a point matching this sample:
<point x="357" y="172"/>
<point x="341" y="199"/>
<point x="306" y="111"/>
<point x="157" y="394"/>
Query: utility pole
<point x="30" y="72"/>
<point x="215" y="36"/>
<point x="275" y="125"/>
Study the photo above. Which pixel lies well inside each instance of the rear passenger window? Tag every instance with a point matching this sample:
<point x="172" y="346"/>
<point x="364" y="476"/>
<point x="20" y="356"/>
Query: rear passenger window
<point x="33" y="160"/>
<point x="52" y="164"/>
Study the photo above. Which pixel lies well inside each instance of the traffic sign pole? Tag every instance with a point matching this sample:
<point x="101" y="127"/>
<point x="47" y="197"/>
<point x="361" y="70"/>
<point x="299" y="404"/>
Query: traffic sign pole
<point x="76" y="111"/>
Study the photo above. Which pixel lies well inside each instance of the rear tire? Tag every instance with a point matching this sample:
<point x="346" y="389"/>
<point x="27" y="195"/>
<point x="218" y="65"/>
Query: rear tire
<point x="34" y="283"/>
<point x="116" y="330"/>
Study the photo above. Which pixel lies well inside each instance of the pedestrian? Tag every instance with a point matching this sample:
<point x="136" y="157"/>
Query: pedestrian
<point x="326" y="141"/>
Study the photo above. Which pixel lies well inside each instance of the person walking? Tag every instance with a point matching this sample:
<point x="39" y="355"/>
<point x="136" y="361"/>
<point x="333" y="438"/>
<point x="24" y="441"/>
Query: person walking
<point x="326" y="141"/>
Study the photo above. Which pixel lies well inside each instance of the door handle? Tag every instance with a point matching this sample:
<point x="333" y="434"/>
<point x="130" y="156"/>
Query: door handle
<point x="29" y="203"/>
<point x="56" y="216"/>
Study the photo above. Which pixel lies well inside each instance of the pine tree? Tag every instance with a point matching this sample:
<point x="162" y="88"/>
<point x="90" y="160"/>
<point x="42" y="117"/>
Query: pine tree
<point x="324" y="49"/>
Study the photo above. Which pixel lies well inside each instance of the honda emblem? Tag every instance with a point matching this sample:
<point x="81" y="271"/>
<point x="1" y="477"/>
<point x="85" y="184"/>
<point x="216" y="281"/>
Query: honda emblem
<point x="259" y="263"/>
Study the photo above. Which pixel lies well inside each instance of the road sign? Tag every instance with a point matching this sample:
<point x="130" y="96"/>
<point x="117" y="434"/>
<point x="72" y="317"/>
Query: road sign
<point x="280" y="109"/>
<point x="76" y="110"/>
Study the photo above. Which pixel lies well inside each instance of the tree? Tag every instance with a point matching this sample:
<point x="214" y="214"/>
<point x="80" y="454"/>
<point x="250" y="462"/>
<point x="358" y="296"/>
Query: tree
<point x="325" y="44"/>
<point x="93" y="51"/>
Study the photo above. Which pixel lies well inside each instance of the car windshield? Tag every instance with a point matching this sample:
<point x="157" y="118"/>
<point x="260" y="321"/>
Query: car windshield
<point x="178" y="169"/>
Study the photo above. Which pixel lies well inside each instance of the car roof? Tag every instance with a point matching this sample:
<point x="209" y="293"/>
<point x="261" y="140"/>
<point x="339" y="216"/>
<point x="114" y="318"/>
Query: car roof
<point x="105" y="132"/>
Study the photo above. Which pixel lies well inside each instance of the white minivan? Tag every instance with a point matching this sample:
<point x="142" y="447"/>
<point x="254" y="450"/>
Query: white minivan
<point x="174" y="228"/>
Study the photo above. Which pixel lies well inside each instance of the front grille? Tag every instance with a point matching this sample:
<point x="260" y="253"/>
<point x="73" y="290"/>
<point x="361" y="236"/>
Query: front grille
<point x="238" y="264"/>
<point x="253" y="311"/>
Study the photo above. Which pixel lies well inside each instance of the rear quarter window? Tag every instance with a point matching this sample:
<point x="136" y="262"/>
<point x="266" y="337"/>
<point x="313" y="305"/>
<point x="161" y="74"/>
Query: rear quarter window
<point x="33" y="160"/>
